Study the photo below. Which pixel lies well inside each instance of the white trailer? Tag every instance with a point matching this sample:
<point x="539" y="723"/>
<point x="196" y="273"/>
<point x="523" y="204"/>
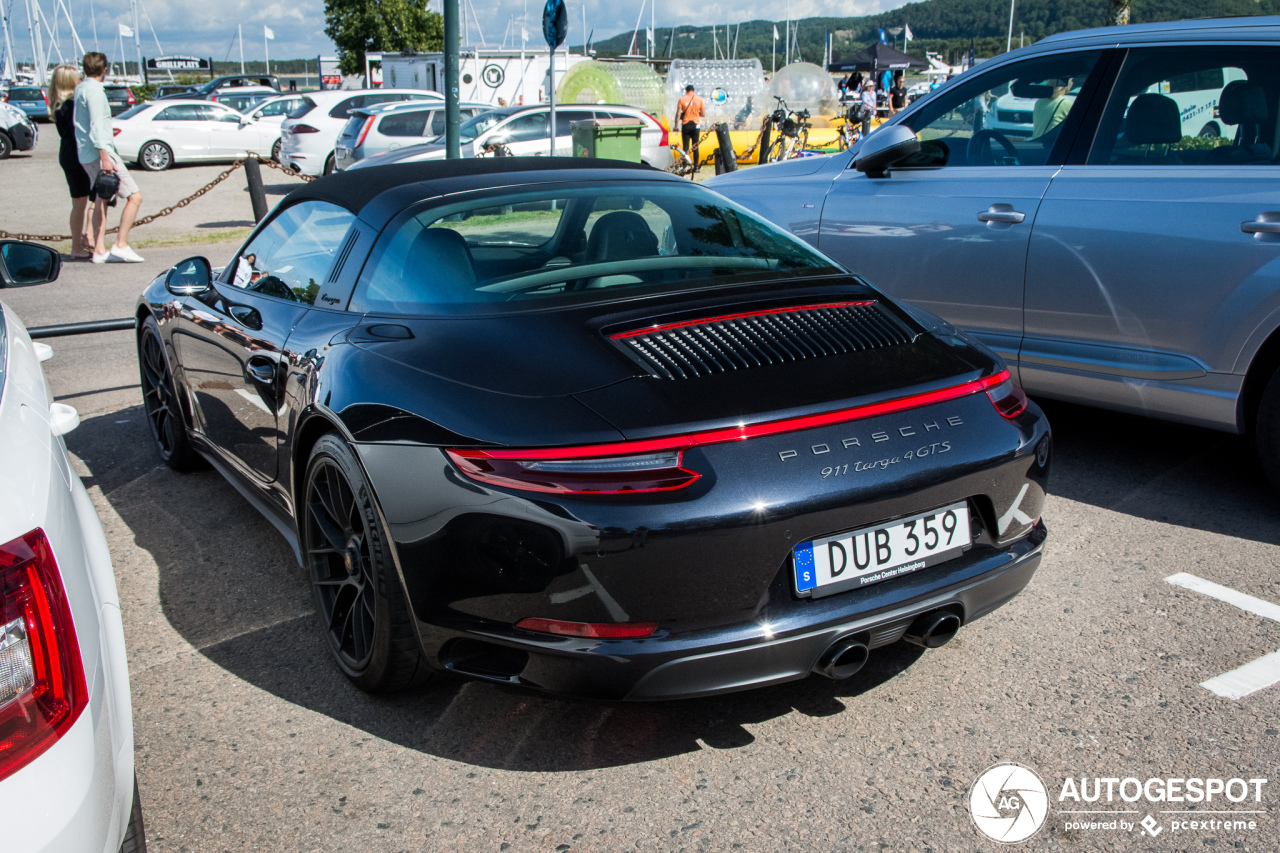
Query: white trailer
<point x="485" y="74"/>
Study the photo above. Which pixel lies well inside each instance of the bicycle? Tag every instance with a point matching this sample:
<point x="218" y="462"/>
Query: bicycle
<point x="793" y="134"/>
<point x="851" y="128"/>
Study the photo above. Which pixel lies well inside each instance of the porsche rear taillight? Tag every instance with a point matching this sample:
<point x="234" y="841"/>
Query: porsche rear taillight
<point x="304" y="128"/>
<point x="42" y="684"/>
<point x="655" y="464"/>
<point x="364" y="131"/>
<point x="1008" y="397"/>
<point x="562" y="471"/>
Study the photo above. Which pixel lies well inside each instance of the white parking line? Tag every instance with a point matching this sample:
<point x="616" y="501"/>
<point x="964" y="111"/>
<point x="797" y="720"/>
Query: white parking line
<point x="1256" y="606"/>
<point x="1250" y="678"/>
<point x="1255" y="675"/>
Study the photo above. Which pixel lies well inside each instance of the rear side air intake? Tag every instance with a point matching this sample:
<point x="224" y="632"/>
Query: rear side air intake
<point x="713" y="345"/>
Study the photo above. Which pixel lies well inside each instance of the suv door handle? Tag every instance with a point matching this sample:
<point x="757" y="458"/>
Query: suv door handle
<point x="1001" y="213"/>
<point x="1266" y="223"/>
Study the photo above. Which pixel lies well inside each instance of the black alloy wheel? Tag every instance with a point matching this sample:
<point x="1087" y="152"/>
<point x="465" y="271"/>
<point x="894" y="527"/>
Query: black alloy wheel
<point x="358" y="594"/>
<point x="160" y="401"/>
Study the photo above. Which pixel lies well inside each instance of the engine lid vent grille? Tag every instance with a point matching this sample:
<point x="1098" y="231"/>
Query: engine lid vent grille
<point x="729" y="342"/>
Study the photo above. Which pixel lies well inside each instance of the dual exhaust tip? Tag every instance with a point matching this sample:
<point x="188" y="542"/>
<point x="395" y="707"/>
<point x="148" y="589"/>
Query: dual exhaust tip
<point x="846" y="656"/>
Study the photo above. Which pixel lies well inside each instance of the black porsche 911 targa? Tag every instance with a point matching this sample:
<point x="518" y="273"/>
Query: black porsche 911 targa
<point x="593" y="429"/>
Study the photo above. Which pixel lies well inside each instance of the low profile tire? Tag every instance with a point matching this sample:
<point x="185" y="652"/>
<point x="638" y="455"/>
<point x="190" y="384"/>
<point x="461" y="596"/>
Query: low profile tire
<point x="361" y="604"/>
<point x="155" y="156"/>
<point x="330" y="165"/>
<point x="275" y="150"/>
<point x="135" y="834"/>
<point x="6" y="146"/>
<point x="161" y="404"/>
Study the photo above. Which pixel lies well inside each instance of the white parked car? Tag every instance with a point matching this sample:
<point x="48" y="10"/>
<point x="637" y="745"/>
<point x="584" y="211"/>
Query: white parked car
<point x="66" y="732"/>
<point x="526" y="131"/>
<point x="270" y="114"/>
<point x="160" y="134"/>
<point x="310" y="132"/>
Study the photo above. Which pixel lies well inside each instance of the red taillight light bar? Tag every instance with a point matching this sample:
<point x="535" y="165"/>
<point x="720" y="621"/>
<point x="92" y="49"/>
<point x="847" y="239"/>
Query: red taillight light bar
<point x="594" y="630"/>
<point x="364" y="131"/>
<point x="654" y="464"/>
<point x="42" y="684"/>
<point x="304" y="128"/>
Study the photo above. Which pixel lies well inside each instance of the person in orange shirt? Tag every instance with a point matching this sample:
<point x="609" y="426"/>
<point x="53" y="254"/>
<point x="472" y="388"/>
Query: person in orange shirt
<point x="689" y="111"/>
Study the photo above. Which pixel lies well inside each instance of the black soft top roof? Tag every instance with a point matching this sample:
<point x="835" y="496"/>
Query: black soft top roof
<point x="355" y="189"/>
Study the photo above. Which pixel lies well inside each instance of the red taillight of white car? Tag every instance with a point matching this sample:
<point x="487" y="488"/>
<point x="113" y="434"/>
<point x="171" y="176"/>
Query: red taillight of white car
<point x="303" y="128"/>
<point x="42" y="684"/>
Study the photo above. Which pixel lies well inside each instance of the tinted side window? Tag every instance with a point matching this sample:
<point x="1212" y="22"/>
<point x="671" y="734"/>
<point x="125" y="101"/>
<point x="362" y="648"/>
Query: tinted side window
<point x="1192" y="106"/>
<point x="343" y="108"/>
<point x="184" y="112"/>
<point x="291" y="257"/>
<point x="526" y="128"/>
<point x="1009" y="117"/>
<point x="306" y="106"/>
<point x="409" y="123"/>
<point x="438" y="122"/>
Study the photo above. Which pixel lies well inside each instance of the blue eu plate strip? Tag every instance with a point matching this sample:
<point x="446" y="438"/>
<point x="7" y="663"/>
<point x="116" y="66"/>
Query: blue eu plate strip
<point x="806" y="574"/>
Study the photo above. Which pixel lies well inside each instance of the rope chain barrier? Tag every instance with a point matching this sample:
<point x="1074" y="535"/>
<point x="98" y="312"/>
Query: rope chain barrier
<point x="165" y="211"/>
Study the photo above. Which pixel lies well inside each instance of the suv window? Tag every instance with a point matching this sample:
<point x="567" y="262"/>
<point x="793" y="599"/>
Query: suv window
<point x="407" y="123"/>
<point x="279" y="108"/>
<point x="26" y="95"/>
<point x="290" y="258"/>
<point x="303" y="108"/>
<point x="1011" y="116"/>
<point x="1192" y="106"/>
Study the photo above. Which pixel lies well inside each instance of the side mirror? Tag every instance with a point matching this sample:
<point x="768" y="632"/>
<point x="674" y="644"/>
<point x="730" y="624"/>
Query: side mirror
<point x="189" y="277"/>
<point x="24" y="263"/>
<point x="886" y="146"/>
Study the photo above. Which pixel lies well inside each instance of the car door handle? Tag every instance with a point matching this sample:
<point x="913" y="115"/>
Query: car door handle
<point x="1266" y="223"/>
<point x="1001" y="213"/>
<point x="262" y="370"/>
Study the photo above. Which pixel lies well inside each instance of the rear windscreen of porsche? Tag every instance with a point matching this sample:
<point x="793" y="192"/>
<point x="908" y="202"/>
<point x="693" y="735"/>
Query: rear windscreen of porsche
<point x="569" y="245"/>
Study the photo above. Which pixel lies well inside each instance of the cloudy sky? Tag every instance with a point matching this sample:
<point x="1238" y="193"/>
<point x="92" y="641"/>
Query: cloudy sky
<point x="206" y="28"/>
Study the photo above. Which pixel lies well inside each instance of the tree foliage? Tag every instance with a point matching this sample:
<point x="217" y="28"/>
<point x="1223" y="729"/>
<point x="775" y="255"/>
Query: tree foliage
<point x="358" y="26"/>
<point x="946" y="26"/>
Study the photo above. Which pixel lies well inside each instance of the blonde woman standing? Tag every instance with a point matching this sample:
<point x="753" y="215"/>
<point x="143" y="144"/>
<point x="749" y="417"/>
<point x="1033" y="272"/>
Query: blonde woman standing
<point x="62" y="87"/>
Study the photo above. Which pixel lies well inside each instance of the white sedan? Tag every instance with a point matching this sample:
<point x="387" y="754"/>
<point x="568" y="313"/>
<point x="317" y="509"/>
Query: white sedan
<point x="159" y="134"/>
<point x="66" y="731"/>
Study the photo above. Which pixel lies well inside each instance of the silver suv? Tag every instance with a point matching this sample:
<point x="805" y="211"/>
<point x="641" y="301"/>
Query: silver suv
<point x="1123" y="253"/>
<point x="385" y="127"/>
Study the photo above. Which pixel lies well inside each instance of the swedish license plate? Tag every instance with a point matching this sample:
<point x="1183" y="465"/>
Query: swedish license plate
<point x="874" y="554"/>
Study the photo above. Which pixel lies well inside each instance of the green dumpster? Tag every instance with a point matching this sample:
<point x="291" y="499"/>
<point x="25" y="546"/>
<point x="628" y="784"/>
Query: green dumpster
<point x="607" y="138"/>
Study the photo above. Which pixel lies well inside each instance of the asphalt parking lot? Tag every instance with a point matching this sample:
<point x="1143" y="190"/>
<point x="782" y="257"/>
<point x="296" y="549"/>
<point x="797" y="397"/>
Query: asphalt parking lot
<point x="248" y="738"/>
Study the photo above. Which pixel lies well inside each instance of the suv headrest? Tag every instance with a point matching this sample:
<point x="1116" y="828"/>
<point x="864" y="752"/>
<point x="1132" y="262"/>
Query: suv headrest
<point x="1153" y="120"/>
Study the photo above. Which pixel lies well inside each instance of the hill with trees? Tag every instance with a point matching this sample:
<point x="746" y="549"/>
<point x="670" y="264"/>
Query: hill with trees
<point x="946" y="26"/>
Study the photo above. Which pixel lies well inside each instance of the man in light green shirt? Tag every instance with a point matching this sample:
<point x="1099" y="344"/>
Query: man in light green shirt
<point x="97" y="153"/>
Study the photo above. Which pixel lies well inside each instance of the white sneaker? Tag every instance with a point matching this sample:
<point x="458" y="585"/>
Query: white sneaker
<point x="100" y="259"/>
<point x="117" y="255"/>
